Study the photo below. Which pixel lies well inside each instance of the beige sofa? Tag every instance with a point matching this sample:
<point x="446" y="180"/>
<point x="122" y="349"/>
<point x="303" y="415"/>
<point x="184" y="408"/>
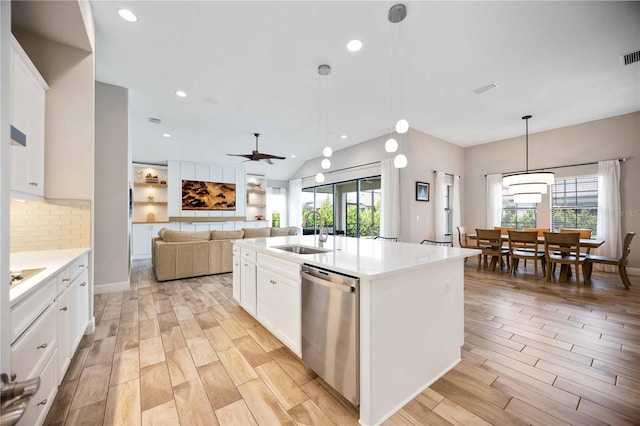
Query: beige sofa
<point x="181" y="254"/>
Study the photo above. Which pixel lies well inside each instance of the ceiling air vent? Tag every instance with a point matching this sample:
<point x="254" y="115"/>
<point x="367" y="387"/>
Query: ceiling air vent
<point x="155" y="120"/>
<point x="630" y="58"/>
<point x="483" y="89"/>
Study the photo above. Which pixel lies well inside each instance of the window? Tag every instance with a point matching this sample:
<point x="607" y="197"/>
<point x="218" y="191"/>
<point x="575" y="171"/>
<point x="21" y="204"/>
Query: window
<point x="448" y="210"/>
<point x="574" y="203"/>
<point x="517" y="216"/>
<point x="350" y="208"/>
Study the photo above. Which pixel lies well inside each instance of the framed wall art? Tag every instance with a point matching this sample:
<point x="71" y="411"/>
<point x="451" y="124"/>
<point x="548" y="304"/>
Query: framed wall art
<point x="422" y="191"/>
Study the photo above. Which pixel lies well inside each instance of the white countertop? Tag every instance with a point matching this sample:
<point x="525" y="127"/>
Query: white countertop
<point x="362" y="257"/>
<point x="52" y="260"/>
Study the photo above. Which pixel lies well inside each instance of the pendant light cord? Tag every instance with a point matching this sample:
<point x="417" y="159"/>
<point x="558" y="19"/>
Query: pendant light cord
<point x="526" y="139"/>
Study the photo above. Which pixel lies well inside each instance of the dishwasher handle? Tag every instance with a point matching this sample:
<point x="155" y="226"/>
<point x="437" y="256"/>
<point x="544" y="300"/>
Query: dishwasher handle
<point x="329" y="284"/>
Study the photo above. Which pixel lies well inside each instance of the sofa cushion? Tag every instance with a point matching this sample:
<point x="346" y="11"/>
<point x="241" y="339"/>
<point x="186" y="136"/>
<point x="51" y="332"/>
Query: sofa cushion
<point x="257" y="232"/>
<point x="161" y="232"/>
<point x="171" y="236"/>
<point x="227" y="235"/>
<point x="279" y="232"/>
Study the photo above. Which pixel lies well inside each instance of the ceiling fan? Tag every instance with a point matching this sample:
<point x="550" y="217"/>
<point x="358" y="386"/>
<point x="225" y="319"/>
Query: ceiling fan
<point x="257" y="156"/>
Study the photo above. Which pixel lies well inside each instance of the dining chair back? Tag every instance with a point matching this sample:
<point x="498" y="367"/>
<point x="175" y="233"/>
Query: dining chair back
<point x="490" y="242"/>
<point x="540" y="231"/>
<point x="505" y="229"/>
<point x="561" y="247"/>
<point x="621" y="262"/>
<point x="379" y="237"/>
<point x="437" y="243"/>
<point x="524" y="245"/>
<point x="584" y="233"/>
<point x="462" y="237"/>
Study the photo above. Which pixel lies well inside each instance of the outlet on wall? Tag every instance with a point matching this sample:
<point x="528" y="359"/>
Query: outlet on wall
<point x="446" y="286"/>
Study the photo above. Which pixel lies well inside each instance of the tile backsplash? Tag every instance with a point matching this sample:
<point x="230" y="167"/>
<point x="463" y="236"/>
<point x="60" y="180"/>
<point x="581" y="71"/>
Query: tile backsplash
<point x="53" y="224"/>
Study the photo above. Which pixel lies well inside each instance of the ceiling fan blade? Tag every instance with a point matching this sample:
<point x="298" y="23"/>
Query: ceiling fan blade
<point x="268" y="160"/>
<point x="249" y="156"/>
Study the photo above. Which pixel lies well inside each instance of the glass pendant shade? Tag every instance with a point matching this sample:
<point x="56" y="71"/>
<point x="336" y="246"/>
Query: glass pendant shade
<point x="319" y="177"/>
<point x="525" y="188"/>
<point x="402" y="126"/>
<point x="527" y="198"/>
<point x="521" y="178"/>
<point x="391" y="145"/>
<point x="326" y="163"/>
<point x="400" y="161"/>
<point x="327" y="151"/>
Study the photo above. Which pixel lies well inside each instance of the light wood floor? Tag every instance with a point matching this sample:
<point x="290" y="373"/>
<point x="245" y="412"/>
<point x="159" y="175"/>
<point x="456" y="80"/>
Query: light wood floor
<point x="183" y="352"/>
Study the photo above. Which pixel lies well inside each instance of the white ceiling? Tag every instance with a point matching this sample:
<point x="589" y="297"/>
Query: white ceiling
<point x="252" y="67"/>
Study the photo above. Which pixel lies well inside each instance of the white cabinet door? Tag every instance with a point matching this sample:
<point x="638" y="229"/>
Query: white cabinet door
<point x="267" y="298"/>
<point x="289" y="321"/>
<point x="27" y="100"/>
<point x="63" y="317"/>
<point x="141" y="234"/>
<point x="236" y="274"/>
<point x="79" y="308"/>
<point x="248" y="286"/>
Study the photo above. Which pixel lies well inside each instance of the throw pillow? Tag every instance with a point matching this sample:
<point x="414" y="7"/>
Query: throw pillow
<point x="279" y="232"/>
<point x="183" y="236"/>
<point x="256" y="232"/>
<point x="227" y="235"/>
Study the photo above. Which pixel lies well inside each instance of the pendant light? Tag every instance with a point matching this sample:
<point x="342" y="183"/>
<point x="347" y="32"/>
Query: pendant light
<point x="396" y="15"/>
<point x="323" y="70"/>
<point x="528" y="187"/>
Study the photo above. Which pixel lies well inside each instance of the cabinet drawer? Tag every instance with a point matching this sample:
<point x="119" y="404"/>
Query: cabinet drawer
<point x="34" y="348"/>
<point x="236" y="250"/>
<point x="63" y="280"/>
<point x="283" y="267"/>
<point x="25" y="312"/>
<point x="42" y="400"/>
<point x="249" y="255"/>
<point x="78" y="266"/>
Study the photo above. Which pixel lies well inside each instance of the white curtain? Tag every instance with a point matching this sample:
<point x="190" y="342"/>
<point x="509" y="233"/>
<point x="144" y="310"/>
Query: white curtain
<point x="277" y="203"/>
<point x="456" y="221"/>
<point x="609" y="211"/>
<point x="439" y="193"/>
<point x="295" y="205"/>
<point x="494" y="200"/>
<point x="390" y="200"/>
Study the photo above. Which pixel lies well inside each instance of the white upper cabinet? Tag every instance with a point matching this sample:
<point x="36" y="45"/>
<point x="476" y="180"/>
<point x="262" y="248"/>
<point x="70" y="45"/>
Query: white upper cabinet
<point x="27" y="112"/>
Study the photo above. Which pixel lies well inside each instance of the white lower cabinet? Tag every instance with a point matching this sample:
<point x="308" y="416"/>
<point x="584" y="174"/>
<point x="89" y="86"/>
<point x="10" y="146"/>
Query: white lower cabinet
<point x="79" y="309"/>
<point x="248" y="281"/>
<point x="142" y="235"/>
<point x="63" y="315"/>
<point x="42" y="400"/>
<point x="236" y="273"/>
<point x="279" y="299"/>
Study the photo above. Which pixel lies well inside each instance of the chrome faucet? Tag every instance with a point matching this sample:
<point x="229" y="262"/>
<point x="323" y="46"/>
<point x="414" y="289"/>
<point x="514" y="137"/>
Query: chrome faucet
<point x="323" y="232"/>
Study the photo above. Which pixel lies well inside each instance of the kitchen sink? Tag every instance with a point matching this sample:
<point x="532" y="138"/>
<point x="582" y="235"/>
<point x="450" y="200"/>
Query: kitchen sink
<point x="18" y="276"/>
<point x="298" y="249"/>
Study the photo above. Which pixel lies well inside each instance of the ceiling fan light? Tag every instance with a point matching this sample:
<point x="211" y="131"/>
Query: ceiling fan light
<point x="527" y="198"/>
<point x="327" y="151"/>
<point x="319" y="177"/>
<point x="391" y="145"/>
<point x="402" y="126"/>
<point x="326" y="163"/>
<point x="400" y="161"/>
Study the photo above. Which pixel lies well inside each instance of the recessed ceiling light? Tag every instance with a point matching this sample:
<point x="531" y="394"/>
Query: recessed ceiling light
<point x="343" y="137"/>
<point x="127" y="15"/>
<point x="181" y="94"/>
<point x="354" y="45"/>
<point x="166" y="135"/>
<point x="293" y="156"/>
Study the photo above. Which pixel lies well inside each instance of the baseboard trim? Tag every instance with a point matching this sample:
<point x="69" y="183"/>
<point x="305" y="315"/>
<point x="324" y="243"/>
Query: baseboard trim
<point x="111" y="287"/>
<point x="92" y="326"/>
<point x="633" y="271"/>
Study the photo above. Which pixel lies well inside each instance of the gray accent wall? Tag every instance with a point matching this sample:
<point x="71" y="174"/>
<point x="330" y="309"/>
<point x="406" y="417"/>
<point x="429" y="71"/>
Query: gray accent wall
<point x="111" y="238"/>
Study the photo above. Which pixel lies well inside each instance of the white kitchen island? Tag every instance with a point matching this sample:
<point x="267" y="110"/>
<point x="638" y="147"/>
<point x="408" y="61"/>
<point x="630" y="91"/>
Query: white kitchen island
<point x="411" y="310"/>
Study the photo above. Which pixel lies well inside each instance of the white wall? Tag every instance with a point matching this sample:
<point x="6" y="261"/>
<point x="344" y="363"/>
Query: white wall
<point x="606" y="139"/>
<point x="111" y="245"/>
<point x="425" y="154"/>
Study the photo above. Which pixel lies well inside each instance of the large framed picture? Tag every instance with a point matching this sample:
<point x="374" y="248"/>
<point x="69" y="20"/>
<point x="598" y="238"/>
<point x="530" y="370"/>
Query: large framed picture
<point x="200" y="195"/>
<point x="422" y="191"/>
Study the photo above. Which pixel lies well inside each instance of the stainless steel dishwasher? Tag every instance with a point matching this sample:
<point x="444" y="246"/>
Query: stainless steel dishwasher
<point x="330" y="329"/>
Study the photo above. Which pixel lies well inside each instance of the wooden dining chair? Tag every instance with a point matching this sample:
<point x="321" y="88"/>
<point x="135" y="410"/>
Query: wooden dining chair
<point x="378" y="237"/>
<point x="490" y="242"/>
<point x="621" y="263"/>
<point x="437" y="243"/>
<point x="584" y="233"/>
<point x="561" y="247"/>
<point x="540" y="231"/>
<point x="524" y="245"/>
<point x="462" y="238"/>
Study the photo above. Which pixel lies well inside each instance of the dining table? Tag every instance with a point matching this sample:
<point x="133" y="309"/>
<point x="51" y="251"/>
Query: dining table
<point x="565" y="270"/>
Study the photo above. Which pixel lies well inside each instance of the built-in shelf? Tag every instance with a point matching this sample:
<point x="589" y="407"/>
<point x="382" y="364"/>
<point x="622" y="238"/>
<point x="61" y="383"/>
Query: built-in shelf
<point x="150" y="185"/>
<point x="149" y="203"/>
<point x="256" y="205"/>
<point x="256" y="191"/>
<point x="207" y="219"/>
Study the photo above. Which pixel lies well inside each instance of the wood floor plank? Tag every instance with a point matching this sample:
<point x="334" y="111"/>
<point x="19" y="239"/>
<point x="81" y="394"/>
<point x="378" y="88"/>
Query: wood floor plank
<point x="263" y="404"/>
<point x="457" y="415"/>
<point x="193" y="405"/>
<point x="339" y="411"/>
<point x="293" y="366"/>
<point x="288" y="393"/>
<point x="418" y="414"/>
<point x="236" y="413"/>
<point x="535" y="336"/>
<point x="127" y="338"/>
<point x="219" y="387"/>
<point x="125" y="367"/>
<point x="149" y="328"/>
<point x="92" y="386"/>
<point x="62" y="403"/>
<point x="252" y="351"/>
<point x="620" y="405"/>
<point x="516" y="365"/>
<point x="155" y="386"/>
<point x="309" y="414"/>
<point x="476" y="335"/>
<point x="181" y="366"/>
<point x="219" y="339"/>
<point x="264" y="338"/>
<point x="604" y="414"/>
<point x="151" y="351"/>
<point x="206" y="320"/>
<point x="481" y="390"/>
<point x="516" y="354"/>
<point x="531" y="414"/>
<point x="163" y="414"/>
<point x="237" y="366"/>
<point x="92" y="414"/>
<point x="101" y="351"/>
<point x="563" y="362"/>
<point x="106" y="328"/>
<point x="77" y="364"/>
<point x="573" y="356"/>
<point x="201" y="351"/>
<point x="123" y="404"/>
<point x="190" y="328"/>
<point x="232" y="328"/>
<point x="167" y="321"/>
<point x="172" y="339"/>
<point x="479" y="374"/>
